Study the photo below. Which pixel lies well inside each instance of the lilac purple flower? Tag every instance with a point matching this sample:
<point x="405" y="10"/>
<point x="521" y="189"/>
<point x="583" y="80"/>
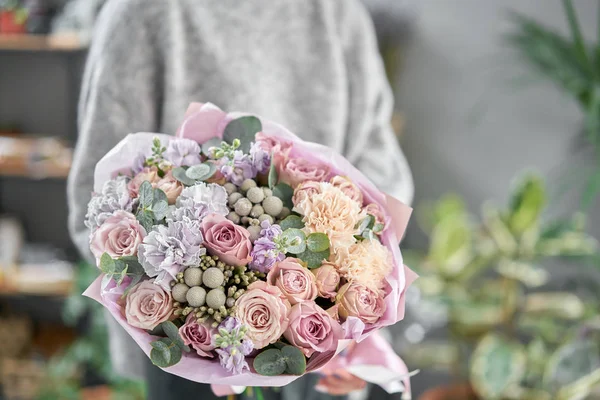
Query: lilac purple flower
<point x="232" y="345"/>
<point x="195" y="202"/>
<point x="139" y="162"/>
<point x="167" y="250"/>
<point x="238" y="168"/>
<point x="114" y="196"/>
<point x="261" y="161"/>
<point x="265" y="254"/>
<point x="270" y="231"/>
<point x="183" y="152"/>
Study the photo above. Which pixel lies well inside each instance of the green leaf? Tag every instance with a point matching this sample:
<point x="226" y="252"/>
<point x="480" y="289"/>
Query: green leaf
<point x="314" y="260"/>
<point x="213" y="142"/>
<point x="317" y="242"/>
<point x="107" y="264"/>
<point x="285" y="193"/>
<point x="146" y="219"/>
<point x="451" y="245"/>
<point x="165" y="353"/>
<point x="244" y="129"/>
<point x="160" y="210"/>
<point x="171" y="330"/>
<point x="367" y="223"/>
<point x="296" y="240"/>
<point x="270" y="362"/>
<point x="291" y="221"/>
<point x="527" y="203"/>
<point x="496" y="365"/>
<point x="272" y="179"/>
<point x="294" y="360"/>
<point x="146" y="194"/>
<point x="179" y="173"/>
<point x="201" y="172"/>
<point x="133" y="265"/>
<point x="122" y="276"/>
<point x="378" y="227"/>
<point x="571" y="362"/>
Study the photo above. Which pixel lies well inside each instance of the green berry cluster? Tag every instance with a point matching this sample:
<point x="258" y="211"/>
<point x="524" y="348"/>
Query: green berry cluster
<point x="209" y="291"/>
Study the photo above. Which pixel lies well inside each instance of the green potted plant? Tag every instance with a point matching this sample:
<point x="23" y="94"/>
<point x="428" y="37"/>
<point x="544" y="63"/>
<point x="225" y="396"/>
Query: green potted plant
<point x="510" y="337"/>
<point x="13" y="17"/>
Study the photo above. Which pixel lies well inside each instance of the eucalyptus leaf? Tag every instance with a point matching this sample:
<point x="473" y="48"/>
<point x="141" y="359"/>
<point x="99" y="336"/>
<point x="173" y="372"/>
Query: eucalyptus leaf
<point x="244" y="129"/>
<point x="165" y="353"/>
<point x="159" y="196"/>
<point x="122" y="276"/>
<point x="133" y="265"/>
<point x="378" y="227"/>
<point x="296" y="240"/>
<point x="291" y="221"/>
<point x="314" y="260"/>
<point x="213" y="142"/>
<point x="367" y="223"/>
<point x="172" y="332"/>
<point x="285" y="193"/>
<point x="179" y="173"/>
<point x="160" y="210"/>
<point x="270" y="362"/>
<point x="107" y="264"/>
<point x="201" y="172"/>
<point x="146" y="219"/>
<point x="272" y="178"/>
<point x="496" y="365"/>
<point x="146" y="193"/>
<point x="317" y="242"/>
<point x="294" y="359"/>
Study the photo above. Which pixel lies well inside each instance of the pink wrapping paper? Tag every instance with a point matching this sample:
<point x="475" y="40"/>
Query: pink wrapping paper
<point x="205" y="121"/>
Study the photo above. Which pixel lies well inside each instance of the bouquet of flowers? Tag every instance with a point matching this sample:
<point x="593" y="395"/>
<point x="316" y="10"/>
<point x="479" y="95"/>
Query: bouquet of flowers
<point x="234" y="253"/>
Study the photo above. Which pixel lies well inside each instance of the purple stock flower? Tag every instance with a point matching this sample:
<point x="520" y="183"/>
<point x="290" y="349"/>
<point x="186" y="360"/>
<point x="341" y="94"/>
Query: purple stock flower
<point x="265" y="254"/>
<point x="260" y="158"/>
<point x="232" y="346"/>
<point x="183" y="152"/>
<point x="167" y="250"/>
<point x="138" y="163"/>
<point x="239" y="168"/>
<point x="270" y="231"/>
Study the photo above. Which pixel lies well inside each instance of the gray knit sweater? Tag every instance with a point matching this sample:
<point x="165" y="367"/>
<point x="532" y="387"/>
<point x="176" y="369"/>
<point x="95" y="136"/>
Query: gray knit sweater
<point x="311" y="65"/>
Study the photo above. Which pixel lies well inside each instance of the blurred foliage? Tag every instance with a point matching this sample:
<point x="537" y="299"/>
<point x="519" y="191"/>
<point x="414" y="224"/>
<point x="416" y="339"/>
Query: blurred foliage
<point x="573" y="65"/>
<point x="65" y="377"/>
<point x="522" y="342"/>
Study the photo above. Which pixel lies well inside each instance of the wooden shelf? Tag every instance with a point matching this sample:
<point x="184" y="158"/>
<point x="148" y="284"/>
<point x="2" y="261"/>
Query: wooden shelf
<point x="50" y="173"/>
<point x="59" y="42"/>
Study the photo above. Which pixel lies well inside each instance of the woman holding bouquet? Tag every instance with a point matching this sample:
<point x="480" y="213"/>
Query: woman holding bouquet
<point x="311" y="65"/>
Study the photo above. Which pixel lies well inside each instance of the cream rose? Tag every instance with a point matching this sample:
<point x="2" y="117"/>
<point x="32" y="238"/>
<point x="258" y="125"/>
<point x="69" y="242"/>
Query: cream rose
<point x="305" y="190"/>
<point x="120" y="235"/>
<point x="296" y="282"/>
<point x="148" y="305"/>
<point x="297" y="170"/>
<point x="331" y="212"/>
<point x="264" y="310"/>
<point x="171" y="186"/>
<point x="327" y="279"/>
<point x="362" y="302"/>
<point x="348" y="187"/>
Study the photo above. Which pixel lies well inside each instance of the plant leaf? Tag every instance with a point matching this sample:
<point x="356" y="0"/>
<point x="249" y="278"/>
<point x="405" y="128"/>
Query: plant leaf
<point x="571" y="362"/>
<point x="160" y="210"/>
<point x="213" y="142"/>
<point x="146" y="194"/>
<point x="201" y="172"/>
<point x="313" y="260"/>
<point x="270" y="362"/>
<point x="317" y="242"/>
<point x="244" y="129"/>
<point x="146" y="219"/>
<point x="171" y="330"/>
<point x="107" y="264"/>
<point x="294" y="359"/>
<point x="367" y="223"/>
<point x="291" y="221"/>
<point x="285" y="193"/>
<point x="179" y="173"/>
<point x="297" y="237"/>
<point x="165" y="353"/>
<point x="496" y="365"/>
<point x="272" y="178"/>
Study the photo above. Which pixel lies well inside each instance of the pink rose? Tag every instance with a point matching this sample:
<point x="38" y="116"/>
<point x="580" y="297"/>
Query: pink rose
<point x="273" y="145"/>
<point x="298" y="170"/>
<point x="327" y="279"/>
<point x="198" y="336"/>
<point x="171" y="186"/>
<point x="149" y="174"/>
<point x="226" y="240"/>
<point x="120" y="235"/>
<point x="380" y="218"/>
<point x="148" y="305"/>
<point x="348" y="187"/>
<point x="356" y="300"/>
<point x="305" y="190"/>
<point x="296" y="282"/>
<point x="264" y="311"/>
<point x="312" y="329"/>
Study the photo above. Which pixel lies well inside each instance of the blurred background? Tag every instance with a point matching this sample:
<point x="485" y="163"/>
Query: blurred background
<point x="498" y="113"/>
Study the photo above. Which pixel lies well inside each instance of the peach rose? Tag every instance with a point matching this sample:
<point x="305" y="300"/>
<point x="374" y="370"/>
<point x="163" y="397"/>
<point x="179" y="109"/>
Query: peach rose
<point x="348" y="187"/>
<point x="312" y="329"/>
<point x="296" y="282"/>
<point x="226" y="240"/>
<point x="362" y="302"/>
<point x="380" y="218"/>
<point x="264" y="311"/>
<point x="305" y="190"/>
<point x="120" y="235"/>
<point x="298" y="170"/>
<point x="280" y="148"/>
<point x="149" y="174"/>
<point x="327" y="279"/>
<point x="367" y="262"/>
<point x="148" y="305"/>
<point x="171" y="186"/>
<point x="331" y="212"/>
